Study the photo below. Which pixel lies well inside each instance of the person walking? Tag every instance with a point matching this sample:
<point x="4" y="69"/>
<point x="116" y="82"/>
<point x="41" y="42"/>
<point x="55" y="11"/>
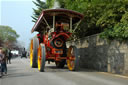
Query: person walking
<point x="9" y="57"/>
<point x="3" y="62"/>
<point x="24" y="53"/>
<point x="0" y="70"/>
<point x="1" y="57"/>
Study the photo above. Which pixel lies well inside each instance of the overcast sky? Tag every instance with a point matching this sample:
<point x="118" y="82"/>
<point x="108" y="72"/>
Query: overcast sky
<point x="17" y="14"/>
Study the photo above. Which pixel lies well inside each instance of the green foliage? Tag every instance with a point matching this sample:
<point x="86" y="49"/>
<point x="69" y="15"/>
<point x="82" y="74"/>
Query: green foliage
<point x="50" y="3"/>
<point x="7" y="35"/>
<point x="114" y="21"/>
<point x="40" y="6"/>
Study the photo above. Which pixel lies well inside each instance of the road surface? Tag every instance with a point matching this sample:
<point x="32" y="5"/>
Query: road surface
<point x="20" y="73"/>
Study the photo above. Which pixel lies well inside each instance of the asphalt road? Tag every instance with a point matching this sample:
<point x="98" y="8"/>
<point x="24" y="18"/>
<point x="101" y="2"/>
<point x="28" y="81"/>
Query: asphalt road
<point x="20" y="73"/>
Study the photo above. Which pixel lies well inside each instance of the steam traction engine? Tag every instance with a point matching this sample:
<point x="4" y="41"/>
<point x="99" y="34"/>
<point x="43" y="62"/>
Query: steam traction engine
<point x="50" y="42"/>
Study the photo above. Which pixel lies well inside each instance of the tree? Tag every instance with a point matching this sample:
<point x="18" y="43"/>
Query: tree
<point x="40" y="6"/>
<point x="50" y="3"/>
<point x="8" y="36"/>
<point x="114" y="21"/>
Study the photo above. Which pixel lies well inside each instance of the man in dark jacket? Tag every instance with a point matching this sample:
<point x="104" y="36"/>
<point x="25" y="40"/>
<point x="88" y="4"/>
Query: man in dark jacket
<point x="24" y="53"/>
<point x="9" y="57"/>
<point x="1" y="58"/>
<point x="3" y="62"/>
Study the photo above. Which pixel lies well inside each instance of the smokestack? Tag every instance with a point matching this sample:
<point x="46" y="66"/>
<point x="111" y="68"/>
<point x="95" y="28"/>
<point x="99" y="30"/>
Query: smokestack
<point x="56" y="5"/>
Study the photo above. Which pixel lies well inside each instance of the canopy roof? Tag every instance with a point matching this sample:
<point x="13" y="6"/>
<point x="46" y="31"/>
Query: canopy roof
<point x="62" y="15"/>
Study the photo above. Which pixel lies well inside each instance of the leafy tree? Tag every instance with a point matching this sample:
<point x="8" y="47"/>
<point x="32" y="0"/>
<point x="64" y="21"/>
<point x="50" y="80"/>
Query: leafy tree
<point x="114" y="21"/>
<point x="8" y="36"/>
<point x="40" y="6"/>
<point x="50" y="3"/>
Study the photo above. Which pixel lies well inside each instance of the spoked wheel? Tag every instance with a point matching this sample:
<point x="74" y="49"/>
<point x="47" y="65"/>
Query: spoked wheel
<point x="33" y="52"/>
<point x="72" y="61"/>
<point x="41" y="57"/>
<point x="60" y="64"/>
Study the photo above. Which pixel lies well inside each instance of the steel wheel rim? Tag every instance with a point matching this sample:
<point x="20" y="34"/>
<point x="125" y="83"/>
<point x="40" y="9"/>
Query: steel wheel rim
<point x="39" y="58"/>
<point x="71" y="59"/>
<point x="31" y="53"/>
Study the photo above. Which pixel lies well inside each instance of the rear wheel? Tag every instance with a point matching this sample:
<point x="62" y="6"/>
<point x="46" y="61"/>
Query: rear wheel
<point x="41" y="57"/>
<point x="33" y="52"/>
<point x="72" y="61"/>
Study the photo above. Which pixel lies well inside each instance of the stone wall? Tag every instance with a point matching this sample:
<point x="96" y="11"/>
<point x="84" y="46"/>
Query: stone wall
<point x="96" y="53"/>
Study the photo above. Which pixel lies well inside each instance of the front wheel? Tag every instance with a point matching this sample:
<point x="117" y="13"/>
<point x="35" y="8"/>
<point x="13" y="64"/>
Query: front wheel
<point x="73" y="60"/>
<point x="33" y="52"/>
<point x="41" y="57"/>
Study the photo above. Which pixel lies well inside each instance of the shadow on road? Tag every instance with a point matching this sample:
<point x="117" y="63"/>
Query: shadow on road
<point x="55" y="69"/>
<point x="19" y="75"/>
<point x="65" y="69"/>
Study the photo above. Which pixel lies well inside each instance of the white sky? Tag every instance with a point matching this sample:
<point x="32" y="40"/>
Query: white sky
<point x="20" y="0"/>
<point x="0" y="12"/>
<point x="17" y="14"/>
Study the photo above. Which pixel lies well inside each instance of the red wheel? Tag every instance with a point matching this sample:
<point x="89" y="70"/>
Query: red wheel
<point x="41" y="57"/>
<point x="72" y="61"/>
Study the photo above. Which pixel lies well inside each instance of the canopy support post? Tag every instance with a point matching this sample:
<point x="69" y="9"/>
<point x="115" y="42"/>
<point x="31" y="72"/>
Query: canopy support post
<point x="77" y="25"/>
<point x="70" y="24"/>
<point x="46" y="21"/>
<point x="54" y="23"/>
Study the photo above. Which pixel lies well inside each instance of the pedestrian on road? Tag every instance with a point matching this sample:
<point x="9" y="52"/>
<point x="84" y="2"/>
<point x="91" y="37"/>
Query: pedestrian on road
<point x="1" y="57"/>
<point x="24" y="53"/>
<point x="0" y="71"/>
<point x="9" y="57"/>
<point x="3" y="62"/>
